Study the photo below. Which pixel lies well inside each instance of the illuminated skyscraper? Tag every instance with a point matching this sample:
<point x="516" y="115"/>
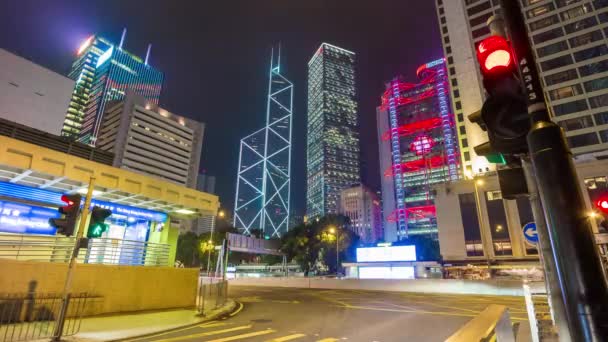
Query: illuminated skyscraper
<point x="263" y="180"/>
<point x="103" y="73"/>
<point x="418" y="148"/>
<point x="333" y="137"/>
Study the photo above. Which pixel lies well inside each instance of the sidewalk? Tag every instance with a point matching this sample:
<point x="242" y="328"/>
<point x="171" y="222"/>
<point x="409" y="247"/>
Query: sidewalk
<point x="118" y="327"/>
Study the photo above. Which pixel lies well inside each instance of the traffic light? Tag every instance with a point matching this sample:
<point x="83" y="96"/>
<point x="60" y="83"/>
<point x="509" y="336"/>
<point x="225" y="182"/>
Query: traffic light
<point x="602" y="204"/>
<point x="97" y="225"/>
<point x="504" y="113"/>
<point x="67" y="224"/>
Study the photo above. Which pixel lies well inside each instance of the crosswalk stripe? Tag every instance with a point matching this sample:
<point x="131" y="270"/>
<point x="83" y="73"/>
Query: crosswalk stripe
<point x="328" y="340"/>
<point x="238" y="337"/>
<point x="286" y="338"/>
<point x="212" y="324"/>
<point x="208" y="333"/>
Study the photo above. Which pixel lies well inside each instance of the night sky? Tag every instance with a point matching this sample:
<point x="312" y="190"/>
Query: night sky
<point x="215" y="57"/>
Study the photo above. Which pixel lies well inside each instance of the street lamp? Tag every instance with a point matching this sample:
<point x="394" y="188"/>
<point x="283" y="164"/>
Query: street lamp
<point x="333" y="230"/>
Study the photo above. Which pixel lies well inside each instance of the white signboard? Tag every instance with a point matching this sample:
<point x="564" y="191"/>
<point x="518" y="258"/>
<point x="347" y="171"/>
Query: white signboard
<point x="394" y="253"/>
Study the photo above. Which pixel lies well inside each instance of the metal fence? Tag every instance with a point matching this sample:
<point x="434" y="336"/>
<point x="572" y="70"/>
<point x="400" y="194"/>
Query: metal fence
<point x="98" y="251"/>
<point x="30" y="316"/>
<point x="212" y="293"/>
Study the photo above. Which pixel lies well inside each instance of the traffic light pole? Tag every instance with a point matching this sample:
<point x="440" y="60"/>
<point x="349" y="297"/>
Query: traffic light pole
<point x="72" y="265"/>
<point x="578" y="267"/>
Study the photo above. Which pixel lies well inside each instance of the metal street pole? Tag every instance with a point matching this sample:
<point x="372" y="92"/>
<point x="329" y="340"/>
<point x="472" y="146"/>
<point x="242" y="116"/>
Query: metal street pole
<point x="579" y="270"/>
<point x="554" y="292"/>
<point x="72" y="265"/>
<point x="337" y="253"/>
<point x="484" y="237"/>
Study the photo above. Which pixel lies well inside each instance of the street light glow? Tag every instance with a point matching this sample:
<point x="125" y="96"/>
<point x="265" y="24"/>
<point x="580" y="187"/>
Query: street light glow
<point x="479" y="182"/>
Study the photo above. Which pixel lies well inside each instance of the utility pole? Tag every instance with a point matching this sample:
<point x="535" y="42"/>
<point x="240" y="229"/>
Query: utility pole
<point x="578" y="267"/>
<point x="72" y="265"/>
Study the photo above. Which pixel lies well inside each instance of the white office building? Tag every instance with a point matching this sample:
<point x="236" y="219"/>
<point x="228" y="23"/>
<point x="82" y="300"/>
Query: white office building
<point x="150" y="140"/>
<point x="362" y="207"/>
<point x="32" y="95"/>
<point x="569" y="40"/>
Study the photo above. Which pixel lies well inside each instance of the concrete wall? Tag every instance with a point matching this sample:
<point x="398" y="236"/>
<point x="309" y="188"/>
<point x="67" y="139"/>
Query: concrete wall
<point x="33" y="95"/>
<point x="121" y="288"/>
<point x="454" y="286"/>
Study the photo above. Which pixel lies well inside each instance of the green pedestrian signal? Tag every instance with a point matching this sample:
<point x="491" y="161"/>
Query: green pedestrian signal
<point x="97" y="226"/>
<point x="496" y="158"/>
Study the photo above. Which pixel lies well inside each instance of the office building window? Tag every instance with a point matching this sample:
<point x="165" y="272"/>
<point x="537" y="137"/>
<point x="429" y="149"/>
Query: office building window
<point x="576" y="12"/>
<point x="462" y="130"/>
<point x="562" y="76"/>
<point x="600" y="4"/>
<point x="586" y="38"/>
<point x="564" y="92"/>
<point x="467" y="156"/>
<point x="482" y="19"/>
<point x="446" y="39"/>
<point x="480" y="32"/>
<point x="597" y="84"/>
<point x="542" y="23"/>
<point x="576" y="123"/>
<point x="444" y="29"/>
<point x="454" y="82"/>
<point x="456" y="93"/>
<point x="479" y="8"/>
<point x="442" y="20"/>
<point x="450" y="60"/>
<point x="531" y="2"/>
<point x="583" y="140"/>
<point x="556" y="63"/>
<point x="552" y="48"/>
<point x="593" y="68"/>
<point x="592" y="52"/>
<point x="465" y="143"/>
<point x="525" y="216"/>
<point x="452" y="71"/>
<point x="448" y="49"/>
<point x="458" y="105"/>
<point x="546" y="36"/>
<point x="460" y="117"/>
<point x="540" y="10"/>
<point x="604" y="135"/>
<point x="570" y="107"/>
<point x="601" y="118"/>
<point x="470" y="223"/>
<point x="598" y="101"/>
<point x="498" y="224"/>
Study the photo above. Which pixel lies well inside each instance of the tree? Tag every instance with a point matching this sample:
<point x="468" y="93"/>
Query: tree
<point x="313" y="245"/>
<point x="188" y="249"/>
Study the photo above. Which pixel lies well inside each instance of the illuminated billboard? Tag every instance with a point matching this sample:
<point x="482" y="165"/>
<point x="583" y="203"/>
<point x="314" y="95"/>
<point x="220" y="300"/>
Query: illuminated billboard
<point x="26" y="219"/>
<point x="387" y="253"/>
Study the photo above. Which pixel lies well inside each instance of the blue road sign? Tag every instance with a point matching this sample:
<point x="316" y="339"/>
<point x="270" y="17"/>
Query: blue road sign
<point x="530" y="234"/>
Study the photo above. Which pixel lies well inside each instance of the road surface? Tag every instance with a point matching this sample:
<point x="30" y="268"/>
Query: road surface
<point x="301" y="315"/>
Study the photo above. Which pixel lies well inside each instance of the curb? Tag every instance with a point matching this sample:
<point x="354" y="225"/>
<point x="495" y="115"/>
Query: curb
<point x="226" y="309"/>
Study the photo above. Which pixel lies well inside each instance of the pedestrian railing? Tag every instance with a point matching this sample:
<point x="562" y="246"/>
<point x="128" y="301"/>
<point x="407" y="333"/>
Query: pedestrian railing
<point x="31" y="316"/>
<point x="492" y="324"/>
<point x="98" y="251"/>
<point x="212" y="293"/>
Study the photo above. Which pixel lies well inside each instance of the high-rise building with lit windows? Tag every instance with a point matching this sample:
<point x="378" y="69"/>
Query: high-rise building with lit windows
<point x="333" y="162"/>
<point x="569" y="40"/>
<point x="418" y="149"/>
<point x="264" y="172"/>
<point x="103" y="72"/>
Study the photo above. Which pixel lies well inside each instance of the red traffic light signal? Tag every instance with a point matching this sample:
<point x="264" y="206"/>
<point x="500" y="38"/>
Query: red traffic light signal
<point x="67" y="224"/>
<point x="494" y="55"/>
<point x="602" y="204"/>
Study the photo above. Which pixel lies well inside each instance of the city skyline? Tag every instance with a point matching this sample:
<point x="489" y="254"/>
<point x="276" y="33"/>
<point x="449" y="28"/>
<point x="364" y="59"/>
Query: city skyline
<point x="208" y="88"/>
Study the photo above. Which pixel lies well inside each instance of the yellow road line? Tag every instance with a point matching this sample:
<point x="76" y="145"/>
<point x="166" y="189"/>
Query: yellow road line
<point x="208" y="333"/>
<point x="238" y="337"/>
<point x="328" y="340"/>
<point x="237" y="310"/>
<point x="286" y="338"/>
<point x="204" y="325"/>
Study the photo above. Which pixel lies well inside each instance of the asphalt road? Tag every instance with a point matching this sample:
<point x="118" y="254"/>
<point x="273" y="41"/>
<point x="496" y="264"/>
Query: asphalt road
<point x="288" y="314"/>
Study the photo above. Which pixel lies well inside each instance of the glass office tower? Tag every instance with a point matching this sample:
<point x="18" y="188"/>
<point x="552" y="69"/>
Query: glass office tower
<point x="333" y="137"/>
<point x="103" y="72"/>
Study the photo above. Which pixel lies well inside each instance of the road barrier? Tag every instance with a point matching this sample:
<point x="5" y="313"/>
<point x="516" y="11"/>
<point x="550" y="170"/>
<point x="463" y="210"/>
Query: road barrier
<point x="453" y="286"/>
<point x="212" y="293"/>
<point x="32" y="316"/>
<point x="492" y="324"/>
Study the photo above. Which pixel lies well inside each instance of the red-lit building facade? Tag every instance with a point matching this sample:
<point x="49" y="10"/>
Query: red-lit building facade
<point x="418" y="148"/>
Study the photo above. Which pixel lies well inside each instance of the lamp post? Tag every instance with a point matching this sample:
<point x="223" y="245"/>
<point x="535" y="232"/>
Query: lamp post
<point x="334" y="231"/>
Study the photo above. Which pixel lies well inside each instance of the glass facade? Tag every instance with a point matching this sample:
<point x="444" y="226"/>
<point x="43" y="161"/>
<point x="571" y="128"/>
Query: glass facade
<point x="263" y="180"/>
<point x="423" y="143"/>
<point x="333" y="138"/>
<point x="103" y="72"/>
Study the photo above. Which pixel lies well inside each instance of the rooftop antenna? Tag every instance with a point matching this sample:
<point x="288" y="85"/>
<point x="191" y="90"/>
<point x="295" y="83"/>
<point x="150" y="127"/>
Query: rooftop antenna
<point x="122" y="38"/>
<point x="148" y="53"/>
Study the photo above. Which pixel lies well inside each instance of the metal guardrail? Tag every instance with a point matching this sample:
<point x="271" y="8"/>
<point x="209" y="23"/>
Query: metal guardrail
<point x="492" y="324"/>
<point x="30" y="316"/>
<point x="98" y="251"/>
<point x="212" y="293"/>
